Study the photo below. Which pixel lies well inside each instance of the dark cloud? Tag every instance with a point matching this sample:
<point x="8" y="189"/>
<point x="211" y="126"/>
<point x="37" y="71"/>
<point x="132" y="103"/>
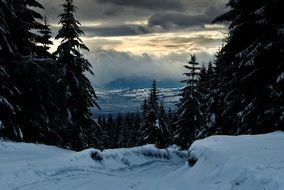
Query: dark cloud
<point x="182" y="20"/>
<point x="176" y="20"/>
<point x="148" y="4"/>
<point x="120" y="30"/>
<point x="112" y="17"/>
<point x="120" y="11"/>
<point x="158" y="22"/>
<point x="196" y="40"/>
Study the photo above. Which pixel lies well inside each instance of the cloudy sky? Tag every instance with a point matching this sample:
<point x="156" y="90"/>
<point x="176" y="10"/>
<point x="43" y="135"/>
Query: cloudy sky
<point x="145" y="38"/>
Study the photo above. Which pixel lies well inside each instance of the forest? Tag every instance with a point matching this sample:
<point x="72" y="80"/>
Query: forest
<point x="45" y="97"/>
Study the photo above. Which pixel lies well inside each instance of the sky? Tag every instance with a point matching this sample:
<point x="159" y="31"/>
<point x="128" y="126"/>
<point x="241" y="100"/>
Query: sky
<point x="145" y="38"/>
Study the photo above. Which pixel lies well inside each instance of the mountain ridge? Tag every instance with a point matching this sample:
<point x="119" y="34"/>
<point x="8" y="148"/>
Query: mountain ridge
<point x="139" y="83"/>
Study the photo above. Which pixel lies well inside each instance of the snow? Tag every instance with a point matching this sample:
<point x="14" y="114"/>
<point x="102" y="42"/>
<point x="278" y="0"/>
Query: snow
<point x="157" y="125"/>
<point x="4" y="102"/>
<point x="31" y="166"/>
<point x="223" y="162"/>
<point x="280" y="78"/>
<point x="281" y="30"/>
<point x="236" y="163"/>
<point x="211" y="122"/>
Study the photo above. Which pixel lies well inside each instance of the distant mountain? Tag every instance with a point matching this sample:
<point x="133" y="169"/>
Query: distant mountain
<point x="139" y="82"/>
<point x="129" y="100"/>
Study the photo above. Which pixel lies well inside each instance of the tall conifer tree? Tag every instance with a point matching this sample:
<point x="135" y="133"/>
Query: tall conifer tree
<point x="154" y="129"/>
<point x="27" y="74"/>
<point x="189" y="114"/>
<point x="8" y="128"/>
<point x="251" y="67"/>
<point x="79" y="93"/>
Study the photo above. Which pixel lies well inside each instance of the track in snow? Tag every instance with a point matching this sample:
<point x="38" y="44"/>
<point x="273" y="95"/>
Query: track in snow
<point x="146" y="177"/>
<point x="38" y="167"/>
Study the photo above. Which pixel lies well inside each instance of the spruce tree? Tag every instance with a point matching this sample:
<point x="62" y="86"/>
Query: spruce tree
<point x="100" y="120"/>
<point x="137" y="123"/>
<point x="214" y="102"/>
<point x="79" y="93"/>
<point x="189" y="113"/>
<point x="154" y="129"/>
<point x="27" y="62"/>
<point x="126" y="132"/>
<point x="116" y="130"/>
<point x="251" y="66"/>
<point x="46" y="35"/>
<point x="171" y="117"/>
<point x="104" y="121"/>
<point x="144" y="107"/>
<point x="102" y="134"/>
<point x="110" y="131"/>
<point x="8" y="129"/>
<point x="202" y="91"/>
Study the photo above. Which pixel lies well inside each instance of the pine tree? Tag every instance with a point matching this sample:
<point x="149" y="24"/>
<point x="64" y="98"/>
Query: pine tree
<point x="144" y="107"/>
<point x="100" y="134"/>
<point x="116" y="131"/>
<point x="104" y="121"/>
<point x="153" y="129"/>
<point x="251" y="66"/>
<point x="27" y="73"/>
<point x="162" y="111"/>
<point x="136" y="134"/>
<point x="208" y="96"/>
<point x="172" y="119"/>
<point x="153" y="100"/>
<point x="100" y="120"/>
<point x="108" y="142"/>
<point x="214" y="123"/>
<point x="126" y="133"/>
<point x="46" y="35"/>
<point x="8" y="129"/>
<point x="79" y="93"/>
<point x="189" y="114"/>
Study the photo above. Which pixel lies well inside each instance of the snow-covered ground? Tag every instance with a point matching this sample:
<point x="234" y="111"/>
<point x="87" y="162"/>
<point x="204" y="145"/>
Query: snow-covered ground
<point x="252" y="162"/>
<point x="30" y="166"/>
<point x="223" y="163"/>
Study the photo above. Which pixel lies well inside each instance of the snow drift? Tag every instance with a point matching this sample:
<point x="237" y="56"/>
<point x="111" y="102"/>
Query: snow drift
<point x="32" y="166"/>
<point x="248" y="162"/>
<point x="129" y="158"/>
<point x="219" y="162"/>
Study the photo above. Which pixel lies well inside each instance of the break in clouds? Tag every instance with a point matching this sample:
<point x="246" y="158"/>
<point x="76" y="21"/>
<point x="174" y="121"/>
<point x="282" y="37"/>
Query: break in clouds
<point x="126" y="65"/>
<point x="145" y="37"/>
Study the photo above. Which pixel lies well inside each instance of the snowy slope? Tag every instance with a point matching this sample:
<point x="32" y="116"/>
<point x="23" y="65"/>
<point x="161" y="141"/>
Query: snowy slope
<point x="233" y="163"/>
<point x="223" y="163"/>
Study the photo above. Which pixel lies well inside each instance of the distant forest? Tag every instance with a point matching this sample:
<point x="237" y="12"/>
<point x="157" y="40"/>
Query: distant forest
<point x="46" y="98"/>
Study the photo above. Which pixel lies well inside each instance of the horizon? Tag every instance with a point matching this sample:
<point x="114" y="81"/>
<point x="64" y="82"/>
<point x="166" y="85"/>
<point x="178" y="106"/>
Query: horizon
<point x="145" y="39"/>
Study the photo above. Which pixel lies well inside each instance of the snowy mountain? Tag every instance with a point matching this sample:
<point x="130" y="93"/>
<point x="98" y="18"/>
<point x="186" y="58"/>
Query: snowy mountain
<point x="218" y="162"/>
<point x="139" y="82"/>
<point x="129" y="100"/>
